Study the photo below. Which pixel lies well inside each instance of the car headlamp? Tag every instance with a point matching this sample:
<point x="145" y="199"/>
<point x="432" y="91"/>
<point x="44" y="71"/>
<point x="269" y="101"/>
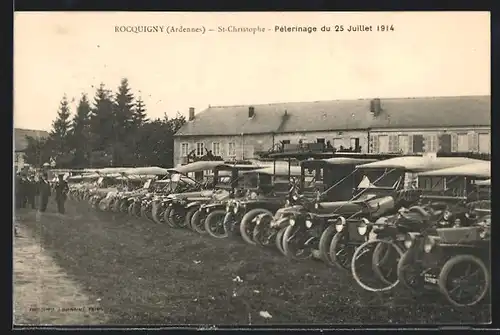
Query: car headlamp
<point x="483" y="234"/>
<point x="253" y="195"/>
<point x="292" y="221"/>
<point x="316" y="205"/>
<point x="295" y="197"/>
<point x="446" y="215"/>
<point x="287" y="202"/>
<point x="236" y="208"/>
<point x="363" y="226"/>
<point x="339" y="226"/>
<point x="429" y="244"/>
<point x="228" y="207"/>
<point x="309" y="223"/>
<point x="408" y="242"/>
<point x="207" y="209"/>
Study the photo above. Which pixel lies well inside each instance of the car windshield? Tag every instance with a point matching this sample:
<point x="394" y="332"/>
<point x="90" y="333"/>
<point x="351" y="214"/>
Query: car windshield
<point x="380" y="178"/>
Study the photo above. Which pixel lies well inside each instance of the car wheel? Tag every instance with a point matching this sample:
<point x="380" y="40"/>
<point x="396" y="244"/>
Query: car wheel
<point x="247" y="225"/>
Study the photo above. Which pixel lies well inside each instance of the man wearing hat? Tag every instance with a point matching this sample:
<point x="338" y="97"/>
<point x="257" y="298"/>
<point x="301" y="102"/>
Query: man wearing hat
<point x="44" y="191"/>
<point x="62" y="189"/>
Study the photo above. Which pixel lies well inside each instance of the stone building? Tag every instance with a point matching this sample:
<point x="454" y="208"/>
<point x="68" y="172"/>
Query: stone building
<point x="408" y="125"/>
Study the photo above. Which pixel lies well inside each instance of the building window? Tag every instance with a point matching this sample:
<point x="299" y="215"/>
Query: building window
<point x="285" y="141"/>
<point x="354" y="143"/>
<point x="320" y="140"/>
<point x="484" y="142"/>
<point x="418" y="144"/>
<point x="216" y="148"/>
<point x="393" y="143"/>
<point x="200" y="149"/>
<point x="383" y="143"/>
<point x="462" y="143"/>
<point x="184" y="149"/>
<point x="231" y="150"/>
<point x="444" y="143"/>
<point x="432" y="144"/>
<point x="403" y="144"/>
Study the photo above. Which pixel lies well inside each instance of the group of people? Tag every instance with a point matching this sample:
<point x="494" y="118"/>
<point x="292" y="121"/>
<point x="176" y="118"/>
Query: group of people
<point x="34" y="191"/>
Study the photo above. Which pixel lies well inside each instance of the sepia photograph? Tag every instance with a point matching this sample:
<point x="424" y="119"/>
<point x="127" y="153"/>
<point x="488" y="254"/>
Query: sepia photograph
<point x="211" y="169"/>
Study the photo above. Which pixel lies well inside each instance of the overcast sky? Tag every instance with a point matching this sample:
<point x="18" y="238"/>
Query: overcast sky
<point x="427" y="54"/>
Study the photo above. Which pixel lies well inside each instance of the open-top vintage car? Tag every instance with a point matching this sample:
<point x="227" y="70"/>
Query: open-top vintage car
<point x="387" y="186"/>
<point x="445" y="201"/>
<point x="332" y="179"/>
<point x="176" y="206"/>
<point x="106" y="183"/>
<point x="135" y="183"/>
<point x="207" y="215"/>
<point x="454" y="258"/>
<point x="266" y="191"/>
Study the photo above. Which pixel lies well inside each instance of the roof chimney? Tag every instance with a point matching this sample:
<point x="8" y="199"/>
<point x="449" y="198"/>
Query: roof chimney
<point x="375" y="107"/>
<point x="251" y="111"/>
<point x="191" y="113"/>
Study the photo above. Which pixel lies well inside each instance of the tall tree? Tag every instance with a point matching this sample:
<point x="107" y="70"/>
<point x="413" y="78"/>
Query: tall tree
<point x="60" y="133"/>
<point x="139" y="119"/>
<point x="139" y="116"/>
<point x="101" y="120"/>
<point x="123" y="117"/>
<point x="80" y="133"/>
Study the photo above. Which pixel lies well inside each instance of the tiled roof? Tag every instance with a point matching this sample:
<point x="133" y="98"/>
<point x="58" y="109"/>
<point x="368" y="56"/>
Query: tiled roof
<point x="341" y="115"/>
<point x="20" y="141"/>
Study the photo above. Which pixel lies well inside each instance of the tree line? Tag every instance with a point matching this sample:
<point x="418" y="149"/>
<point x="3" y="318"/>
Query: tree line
<point x="112" y="130"/>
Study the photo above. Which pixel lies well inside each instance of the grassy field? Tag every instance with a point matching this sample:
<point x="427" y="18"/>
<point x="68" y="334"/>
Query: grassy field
<point x="144" y="273"/>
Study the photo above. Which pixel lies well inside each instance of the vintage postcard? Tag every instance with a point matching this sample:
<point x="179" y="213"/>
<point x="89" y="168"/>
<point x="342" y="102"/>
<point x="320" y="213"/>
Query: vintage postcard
<point x="264" y="168"/>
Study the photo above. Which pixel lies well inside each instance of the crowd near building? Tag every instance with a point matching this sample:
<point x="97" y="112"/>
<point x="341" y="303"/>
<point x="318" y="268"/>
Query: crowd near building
<point x="398" y="125"/>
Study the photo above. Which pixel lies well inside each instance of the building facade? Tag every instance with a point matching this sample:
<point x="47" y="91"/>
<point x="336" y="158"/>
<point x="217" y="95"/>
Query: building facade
<point x="21" y="143"/>
<point x="406" y="125"/>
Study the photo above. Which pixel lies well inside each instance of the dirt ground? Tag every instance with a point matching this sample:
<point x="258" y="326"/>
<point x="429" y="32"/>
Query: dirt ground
<point x="143" y="273"/>
<point x="43" y="293"/>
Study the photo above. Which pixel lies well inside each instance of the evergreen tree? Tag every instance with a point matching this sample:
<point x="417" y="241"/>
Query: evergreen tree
<point x="80" y="135"/>
<point x="101" y="120"/>
<point x="123" y="109"/>
<point x="139" y="116"/>
<point x="60" y="133"/>
<point x="139" y="120"/>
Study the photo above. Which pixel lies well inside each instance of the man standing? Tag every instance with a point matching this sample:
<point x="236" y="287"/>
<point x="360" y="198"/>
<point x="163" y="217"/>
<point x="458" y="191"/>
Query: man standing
<point x="18" y="191"/>
<point x="62" y="189"/>
<point x="44" y="191"/>
<point x="31" y="191"/>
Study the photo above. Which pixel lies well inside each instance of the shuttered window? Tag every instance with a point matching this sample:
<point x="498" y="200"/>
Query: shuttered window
<point x="403" y="144"/>
<point x="430" y="143"/>
<point x="383" y="143"/>
<point x="462" y="142"/>
<point x="374" y="144"/>
<point x="484" y="142"/>
<point x="454" y="143"/>
<point x="231" y="149"/>
<point x="393" y="143"/>
<point x="472" y="139"/>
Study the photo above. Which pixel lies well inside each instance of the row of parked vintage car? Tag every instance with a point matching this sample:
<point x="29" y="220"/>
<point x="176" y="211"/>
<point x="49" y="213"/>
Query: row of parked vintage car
<point x="419" y="222"/>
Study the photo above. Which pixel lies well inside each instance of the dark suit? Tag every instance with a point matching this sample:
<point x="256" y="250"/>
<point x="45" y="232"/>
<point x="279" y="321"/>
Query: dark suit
<point x="62" y="189"/>
<point x="44" y="191"/>
<point x="31" y="192"/>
